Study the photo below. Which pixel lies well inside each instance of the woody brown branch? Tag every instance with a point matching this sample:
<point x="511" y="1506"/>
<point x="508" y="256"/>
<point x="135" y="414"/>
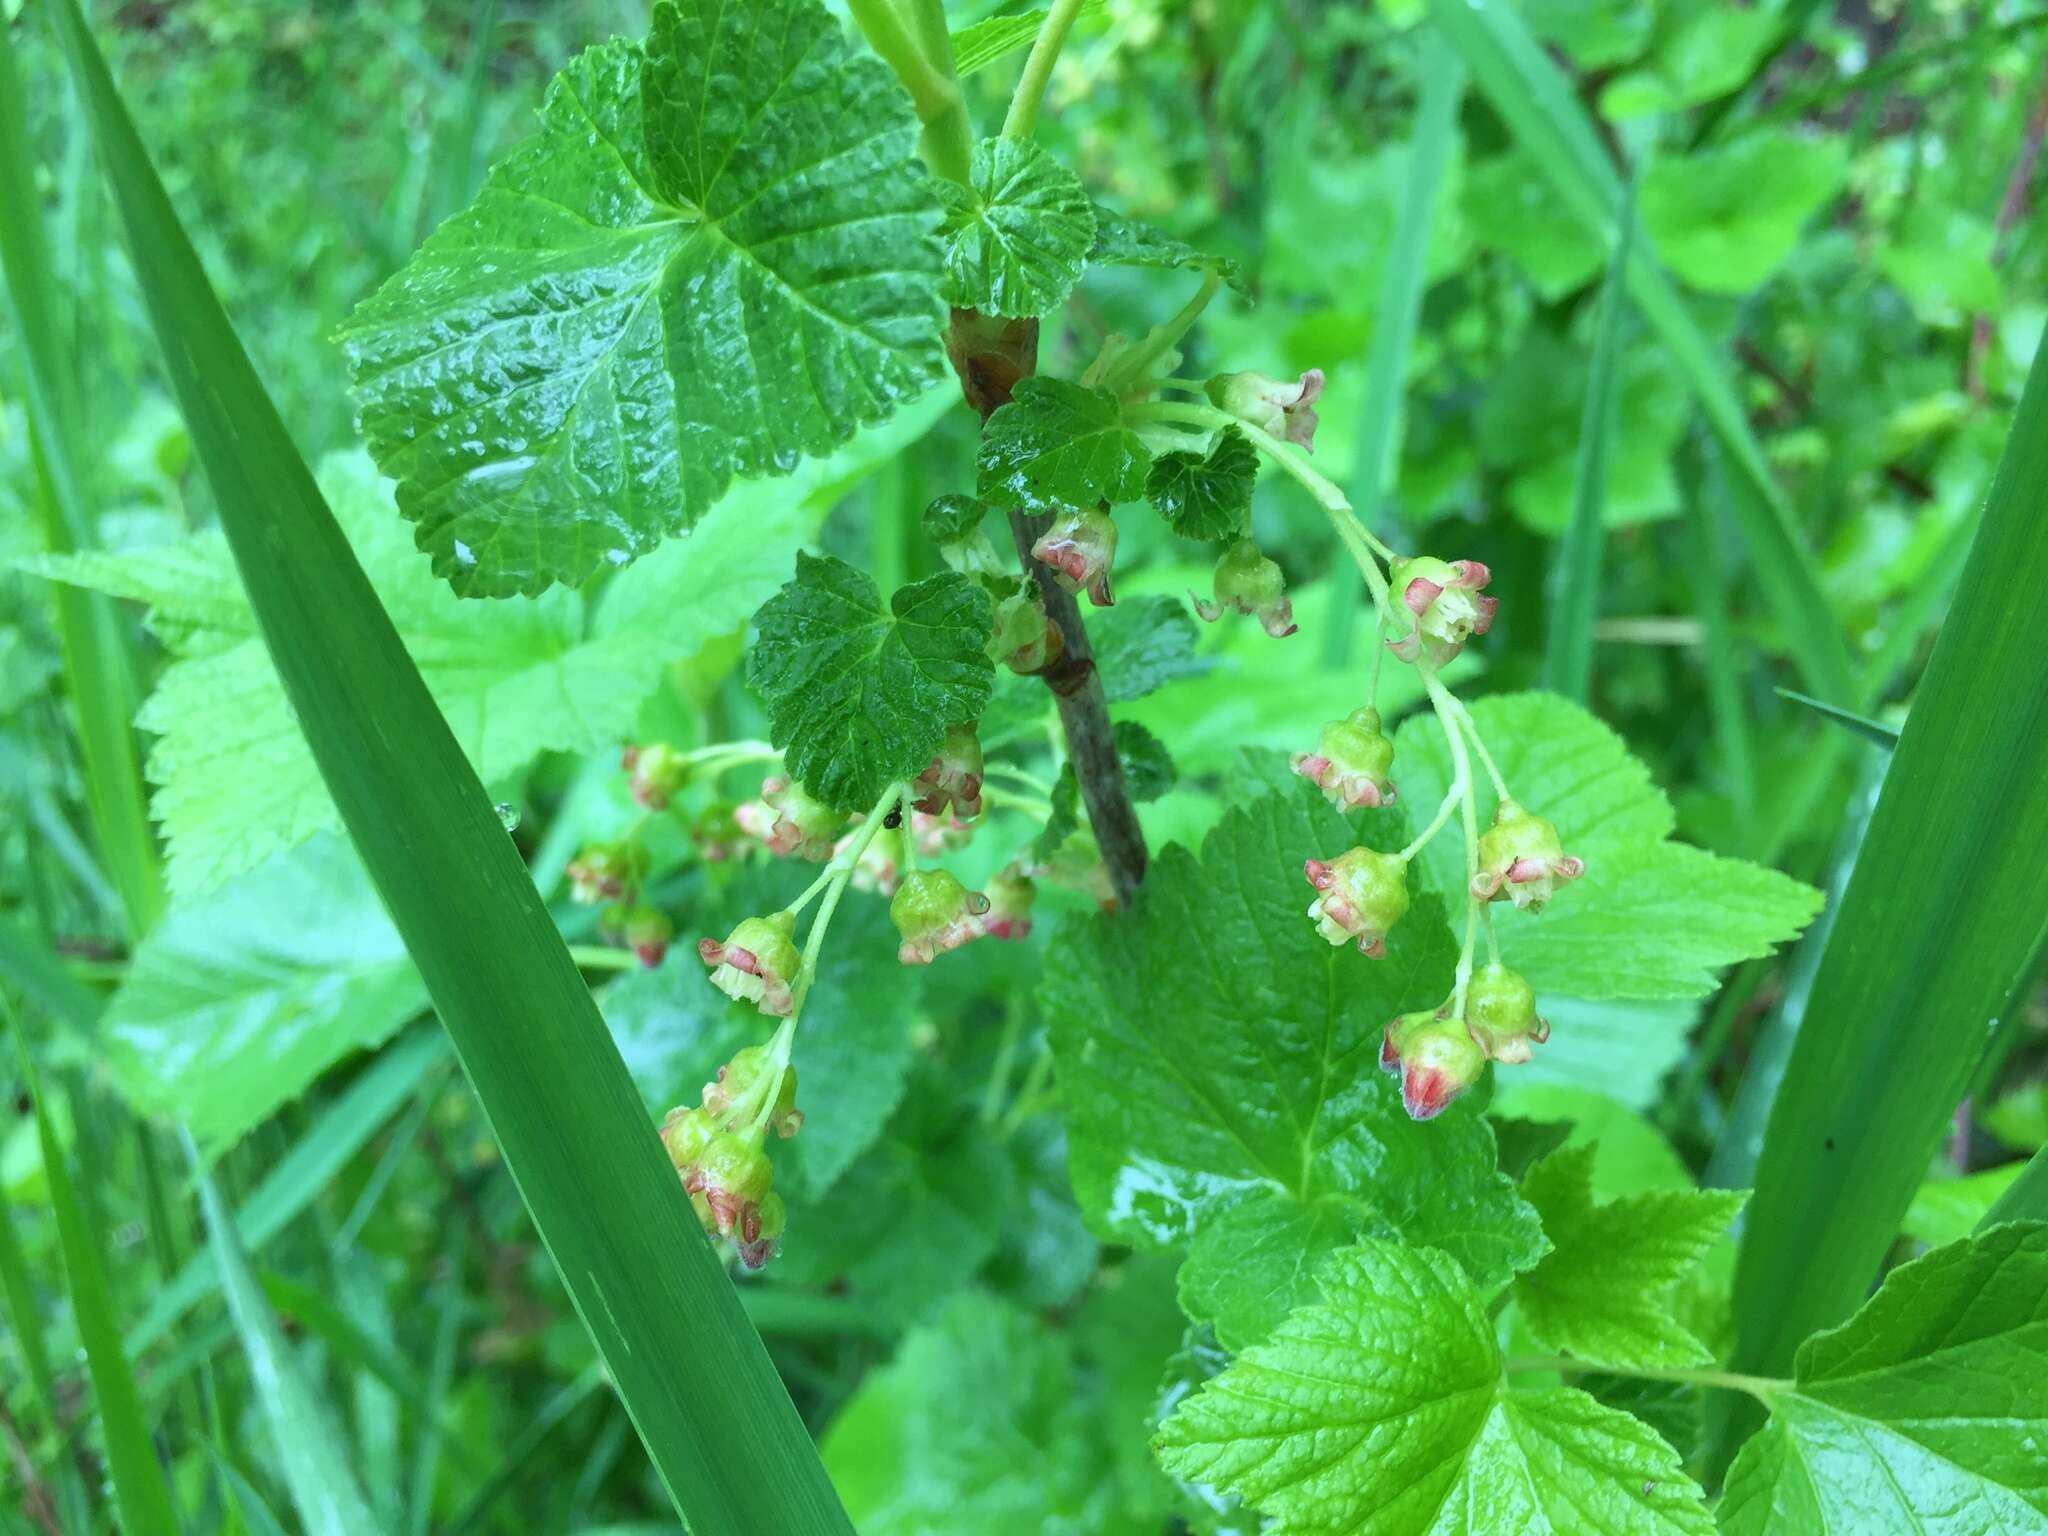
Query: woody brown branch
<point x="990" y="355"/>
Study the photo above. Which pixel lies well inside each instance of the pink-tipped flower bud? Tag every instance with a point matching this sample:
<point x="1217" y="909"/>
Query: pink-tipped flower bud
<point x="1500" y="1014"/>
<point x="758" y="964"/>
<point x="718" y="833"/>
<point x="770" y="1217"/>
<point x="1010" y="896"/>
<point x="658" y="771"/>
<point x="742" y="1086"/>
<point x="1272" y="405"/>
<point x="606" y="872"/>
<point x="1442" y="598"/>
<point x="733" y="1175"/>
<point x="1081" y="549"/>
<point x="1360" y="895"/>
<point x="934" y="912"/>
<point x="642" y="929"/>
<point x="1247" y="582"/>
<point x="953" y="777"/>
<point x="803" y="827"/>
<point x="1352" y="763"/>
<point x="1435" y="1058"/>
<point x="1024" y="639"/>
<point x="1521" y="859"/>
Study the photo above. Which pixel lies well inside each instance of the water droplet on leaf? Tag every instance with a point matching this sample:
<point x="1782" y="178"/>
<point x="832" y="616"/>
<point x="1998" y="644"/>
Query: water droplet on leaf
<point x="508" y="815"/>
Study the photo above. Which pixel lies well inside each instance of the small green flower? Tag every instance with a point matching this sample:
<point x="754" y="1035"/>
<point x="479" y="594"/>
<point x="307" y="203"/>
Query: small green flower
<point x="1361" y="894"/>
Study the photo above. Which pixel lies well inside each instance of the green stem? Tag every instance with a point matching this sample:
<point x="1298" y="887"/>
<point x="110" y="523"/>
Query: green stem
<point x="947" y="143"/>
<point x="1763" y="1388"/>
<point x="1129" y="369"/>
<point x="1444" y="812"/>
<point x="1006" y="1053"/>
<point x="1022" y="119"/>
<point x="1029" y="804"/>
<point x="1447" y="712"/>
<point x="1471" y="728"/>
<point x="601" y="957"/>
<point x="814" y="941"/>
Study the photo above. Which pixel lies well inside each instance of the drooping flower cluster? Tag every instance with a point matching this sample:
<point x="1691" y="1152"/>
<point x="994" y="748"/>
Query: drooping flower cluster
<point x="1438" y="1054"/>
<point x="717" y="1150"/>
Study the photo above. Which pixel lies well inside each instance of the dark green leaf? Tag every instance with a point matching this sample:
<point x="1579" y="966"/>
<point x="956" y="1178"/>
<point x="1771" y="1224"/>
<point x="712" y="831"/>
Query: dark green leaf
<point x="1017" y="237"/>
<point x="1206" y="496"/>
<point x="1220" y="1067"/>
<point x="954" y="517"/>
<point x="1142" y="644"/>
<point x="1058" y="446"/>
<point x="714" y="258"/>
<point x="860" y="695"/>
<point x="1122" y="242"/>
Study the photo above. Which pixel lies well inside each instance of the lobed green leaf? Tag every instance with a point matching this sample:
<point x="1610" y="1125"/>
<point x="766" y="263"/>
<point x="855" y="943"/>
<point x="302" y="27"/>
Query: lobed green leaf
<point x="1018" y="235"/>
<point x="1059" y="446"/>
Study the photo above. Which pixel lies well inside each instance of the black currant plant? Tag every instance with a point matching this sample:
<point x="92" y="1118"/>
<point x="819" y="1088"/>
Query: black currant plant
<point x="729" y="255"/>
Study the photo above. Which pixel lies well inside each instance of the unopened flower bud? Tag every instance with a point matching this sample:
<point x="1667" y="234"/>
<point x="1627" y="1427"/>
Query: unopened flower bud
<point x="934" y="912"/>
<point x="1352" y="762"/>
<point x="742" y="1083"/>
<point x="758" y="964"/>
<point x="733" y="1175"/>
<point x="1361" y="894"/>
<point x="1247" y="582"/>
<point x="770" y="1217"/>
<point x="1435" y="1058"/>
<point x="1500" y="1013"/>
<point x="718" y="833"/>
<point x="642" y="929"/>
<point x="685" y="1133"/>
<point x="1010" y="896"/>
<point x="1520" y="858"/>
<point x="1081" y="549"/>
<point x="658" y="771"/>
<point x="1272" y="405"/>
<point x="953" y="776"/>
<point x="606" y="872"/>
<point x="804" y="827"/>
<point x="1024" y="639"/>
<point x="1443" y="600"/>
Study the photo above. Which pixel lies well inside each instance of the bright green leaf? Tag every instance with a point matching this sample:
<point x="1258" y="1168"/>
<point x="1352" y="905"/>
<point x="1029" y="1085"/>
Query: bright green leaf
<point x="714" y="259"/>
<point x="1122" y="242"/>
<point x="1926" y="1411"/>
<point x="1726" y="217"/>
<point x="1017" y="238"/>
<point x="1206" y="496"/>
<point x="1220" y="1068"/>
<point x="1058" y="446"/>
<point x="1603" y="1292"/>
<point x="238" y="1000"/>
<point x="858" y="694"/>
<point x="1142" y="644"/>
<point x="1652" y="919"/>
<point x="1381" y="1411"/>
<point x="1699" y="54"/>
<point x="1510" y="207"/>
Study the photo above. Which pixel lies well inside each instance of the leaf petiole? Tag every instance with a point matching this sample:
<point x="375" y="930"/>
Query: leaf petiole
<point x="1762" y="1388"/>
<point x="1022" y="119"/>
<point x="836" y="879"/>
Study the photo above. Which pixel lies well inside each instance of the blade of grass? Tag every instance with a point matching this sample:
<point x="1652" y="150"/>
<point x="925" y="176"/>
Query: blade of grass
<point x="1944" y="913"/>
<point x="25" y="1319"/>
<point x="311" y="1453"/>
<point x="99" y="661"/>
<point x="255" y="1513"/>
<point x="716" y="1421"/>
<point x="1876" y="732"/>
<point x="27" y="962"/>
<point x="563" y="1402"/>
<point x="1575" y="573"/>
<point x="1400" y="302"/>
<point x="1704" y="501"/>
<point x="1535" y="100"/>
<point x="141" y="1492"/>
<point x="296" y="1178"/>
<point x="2025" y="1198"/>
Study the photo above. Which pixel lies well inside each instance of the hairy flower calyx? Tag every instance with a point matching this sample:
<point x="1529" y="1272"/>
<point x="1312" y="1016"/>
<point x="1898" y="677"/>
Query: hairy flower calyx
<point x="1360" y="895"/>
<point x="1500" y="1014"/>
<point x="1249" y="583"/>
<point x="1081" y="549"/>
<point x="1352" y="763"/>
<point x="1284" y="410"/>
<point x="1443" y="601"/>
<point x="758" y="963"/>
<point x="934" y="912"/>
<point x="1520" y="858"/>
<point x="1435" y="1057"/>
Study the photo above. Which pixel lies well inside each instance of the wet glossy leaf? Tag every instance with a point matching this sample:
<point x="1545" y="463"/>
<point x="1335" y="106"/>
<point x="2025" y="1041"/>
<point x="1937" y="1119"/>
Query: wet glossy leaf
<point x="1058" y="446"/>
<point x="713" y="259"/>
<point x="1017" y="237"/>
<point x="1206" y="496"/>
<point x="1122" y="242"/>
<point x="860" y="694"/>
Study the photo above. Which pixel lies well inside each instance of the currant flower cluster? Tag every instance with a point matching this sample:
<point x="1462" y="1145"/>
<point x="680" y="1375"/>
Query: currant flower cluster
<point x="717" y="1149"/>
<point x="1427" y="609"/>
